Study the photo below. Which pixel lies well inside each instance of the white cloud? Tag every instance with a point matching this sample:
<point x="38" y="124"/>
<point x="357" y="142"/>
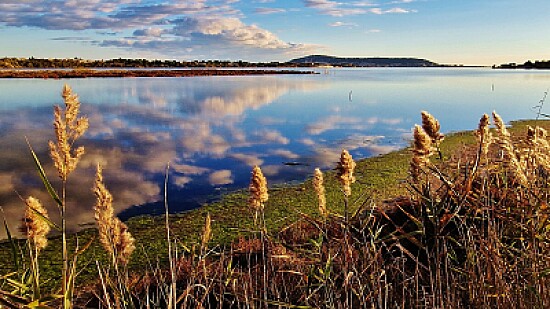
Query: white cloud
<point x="331" y="123"/>
<point x="95" y="14"/>
<point x="402" y="1"/>
<point x="248" y="159"/>
<point x="327" y="156"/>
<point x="214" y="36"/>
<point x="171" y="28"/>
<point x="399" y="11"/>
<point x="267" y="11"/>
<point x="271" y="170"/>
<point x="271" y="136"/>
<point x="150" y="32"/>
<point x="181" y="181"/>
<point x="285" y="153"/>
<point x="307" y="141"/>
<point x="377" y="11"/>
<point x="189" y="169"/>
<point x="222" y="177"/>
<point x="342" y="24"/>
<point x="363" y="3"/>
<point x="333" y="8"/>
<point x="230" y="30"/>
<point x="340" y="9"/>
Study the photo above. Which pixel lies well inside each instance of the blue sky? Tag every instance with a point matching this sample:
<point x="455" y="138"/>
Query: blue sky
<point x="482" y="32"/>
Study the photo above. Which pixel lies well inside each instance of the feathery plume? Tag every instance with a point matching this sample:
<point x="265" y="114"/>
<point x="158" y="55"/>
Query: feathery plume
<point x="422" y="144"/>
<point x="422" y="150"/>
<point x="345" y="168"/>
<point x="113" y="233"/>
<point x="484" y="137"/>
<point x="68" y="128"/>
<point x="431" y="127"/>
<point x="104" y="212"/>
<point x="34" y="225"/>
<point x="542" y="139"/>
<point x="124" y="242"/>
<point x="510" y="162"/>
<point x="531" y="135"/>
<point x="320" y="189"/>
<point x="539" y="155"/>
<point x="258" y="189"/>
<point x="500" y="126"/>
<point x="207" y="232"/>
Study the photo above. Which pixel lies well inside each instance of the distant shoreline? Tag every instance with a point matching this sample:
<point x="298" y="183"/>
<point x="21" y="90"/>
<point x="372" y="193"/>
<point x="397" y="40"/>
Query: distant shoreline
<point x="91" y="73"/>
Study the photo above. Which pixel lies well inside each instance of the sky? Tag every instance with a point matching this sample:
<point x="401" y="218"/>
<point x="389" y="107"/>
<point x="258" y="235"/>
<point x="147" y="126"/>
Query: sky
<point x="469" y="32"/>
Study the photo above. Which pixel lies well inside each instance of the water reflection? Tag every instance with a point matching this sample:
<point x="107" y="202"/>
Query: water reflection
<point x="197" y="126"/>
<point x="213" y="130"/>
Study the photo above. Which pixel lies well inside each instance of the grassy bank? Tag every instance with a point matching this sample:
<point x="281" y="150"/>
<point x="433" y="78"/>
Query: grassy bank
<point x="378" y="178"/>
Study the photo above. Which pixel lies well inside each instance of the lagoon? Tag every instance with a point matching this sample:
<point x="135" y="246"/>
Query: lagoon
<point x="212" y="130"/>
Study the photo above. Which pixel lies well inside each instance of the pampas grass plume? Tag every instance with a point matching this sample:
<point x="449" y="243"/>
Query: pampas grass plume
<point x="113" y="233"/>
<point x="34" y="225"/>
<point x="510" y="163"/>
<point x="320" y="189"/>
<point x="346" y="167"/>
<point x="68" y="128"/>
<point x="484" y="137"/>
<point x="207" y="232"/>
<point x="422" y="150"/>
<point x="431" y="127"/>
<point x="258" y="189"/>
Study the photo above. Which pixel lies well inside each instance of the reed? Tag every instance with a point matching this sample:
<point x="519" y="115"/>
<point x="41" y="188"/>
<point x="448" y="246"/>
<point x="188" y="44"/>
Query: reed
<point x="258" y="192"/>
<point x="113" y="234"/>
<point x="509" y="156"/>
<point x="35" y="228"/>
<point x="422" y="150"/>
<point x="117" y="241"/>
<point x="484" y="136"/>
<point x="431" y="126"/>
<point x="319" y="188"/>
<point x="68" y="127"/>
<point x="345" y="168"/>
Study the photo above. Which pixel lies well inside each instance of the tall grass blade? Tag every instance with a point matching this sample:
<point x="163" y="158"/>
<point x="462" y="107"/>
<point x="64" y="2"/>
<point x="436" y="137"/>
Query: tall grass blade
<point x="43" y="176"/>
<point x="4" y="296"/>
<point x="6" y="303"/>
<point x="11" y="241"/>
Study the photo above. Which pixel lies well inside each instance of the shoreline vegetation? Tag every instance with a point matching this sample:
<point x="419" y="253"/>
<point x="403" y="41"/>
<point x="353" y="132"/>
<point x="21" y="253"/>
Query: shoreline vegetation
<point x="107" y="73"/>
<point x="459" y="221"/>
<point x="312" y="61"/>
<point x="527" y="65"/>
<point x="303" y="62"/>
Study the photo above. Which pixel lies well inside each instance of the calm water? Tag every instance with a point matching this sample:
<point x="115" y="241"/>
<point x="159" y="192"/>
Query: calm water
<point x="212" y="130"/>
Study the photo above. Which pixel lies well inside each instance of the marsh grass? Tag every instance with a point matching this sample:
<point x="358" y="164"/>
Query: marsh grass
<point x="467" y="228"/>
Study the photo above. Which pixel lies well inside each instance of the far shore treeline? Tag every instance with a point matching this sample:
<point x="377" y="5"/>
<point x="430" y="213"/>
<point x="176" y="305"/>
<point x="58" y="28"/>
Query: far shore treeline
<point x="307" y="61"/>
<point x="545" y="64"/>
<point x="39" y="63"/>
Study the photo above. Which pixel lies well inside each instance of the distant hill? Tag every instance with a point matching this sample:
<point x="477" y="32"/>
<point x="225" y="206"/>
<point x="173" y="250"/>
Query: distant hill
<point x="364" y="62"/>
